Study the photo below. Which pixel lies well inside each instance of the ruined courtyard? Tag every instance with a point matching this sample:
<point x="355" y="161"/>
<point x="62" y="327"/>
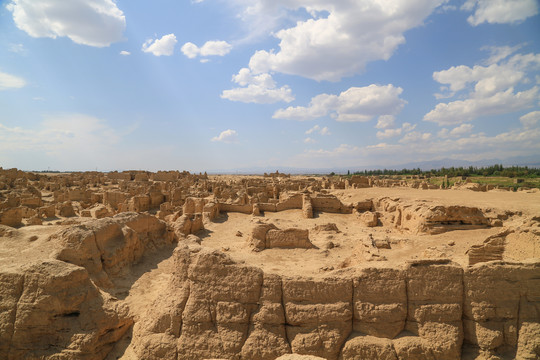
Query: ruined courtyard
<point x="173" y="265"/>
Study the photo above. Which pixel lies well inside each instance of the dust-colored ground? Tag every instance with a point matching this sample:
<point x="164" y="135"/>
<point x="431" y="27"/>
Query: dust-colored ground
<point x="332" y="248"/>
<point x="527" y="202"/>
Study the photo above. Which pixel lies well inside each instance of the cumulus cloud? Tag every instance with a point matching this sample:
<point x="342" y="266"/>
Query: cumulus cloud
<point x="309" y="140"/>
<point x="385" y="121"/>
<point x="158" y="47"/>
<point x="325" y="131"/>
<point x="94" y="23"/>
<point x="341" y="37"/>
<point x="490" y="88"/>
<point x="319" y="130"/>
<point x="503" y="102"/>
<point x="210" y="48"/>
<point x="415" y="137"/>
<point x="492" y="78"/>
<point x="125" y="53"/>
<point x="499" y="11"/>
<point x="257" y="88"/>
<point x="215" y="48"/>
<point x="227" y="136"/>
<point x="388" y="133"/>
<point x="8" y="81"/>
<point x="455" y="132"/>
<point x="190" y="50"/>
<point x="357" y="104"/>
<point x="530" y="120"/>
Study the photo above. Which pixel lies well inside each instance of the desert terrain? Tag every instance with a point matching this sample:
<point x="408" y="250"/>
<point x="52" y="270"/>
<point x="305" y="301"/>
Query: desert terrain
<point x="172" y="265"/>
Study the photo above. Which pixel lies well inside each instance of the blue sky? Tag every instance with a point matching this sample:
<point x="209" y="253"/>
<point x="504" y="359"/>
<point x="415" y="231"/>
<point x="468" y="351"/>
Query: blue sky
<point x="214" y="84"/>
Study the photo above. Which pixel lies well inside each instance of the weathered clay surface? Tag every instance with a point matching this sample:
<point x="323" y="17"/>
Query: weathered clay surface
<point x="387" y="313"/>
<point x="53" y="310"/>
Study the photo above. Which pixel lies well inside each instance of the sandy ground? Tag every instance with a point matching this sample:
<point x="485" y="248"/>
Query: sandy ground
<point x="326" y="257"/>
<point x="526" y="202"/>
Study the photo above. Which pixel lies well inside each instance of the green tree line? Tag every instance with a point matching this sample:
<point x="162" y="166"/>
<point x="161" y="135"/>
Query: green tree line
<point x="494" y="170"/>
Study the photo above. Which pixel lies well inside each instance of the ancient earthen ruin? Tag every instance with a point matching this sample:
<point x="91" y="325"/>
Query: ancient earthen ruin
<point x="171" y="265"/>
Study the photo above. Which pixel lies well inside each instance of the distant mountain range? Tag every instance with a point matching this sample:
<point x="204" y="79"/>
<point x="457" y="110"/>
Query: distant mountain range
<point x="530" y="161"/>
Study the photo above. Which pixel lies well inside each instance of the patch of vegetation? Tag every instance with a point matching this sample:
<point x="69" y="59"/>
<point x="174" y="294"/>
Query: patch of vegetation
<point x="494" y="170"/>
<point x="496" y="175"/>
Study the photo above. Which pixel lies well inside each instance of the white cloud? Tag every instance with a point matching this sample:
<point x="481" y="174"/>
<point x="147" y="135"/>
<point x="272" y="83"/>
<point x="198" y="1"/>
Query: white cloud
<point x="461" y="130"/>
<point x="381" y="146"/>
<point x="313" y="129"/>
<point x="499" y="11"/>
<point x="385" y="121"/>
<point x="227" y="136"/>
<point x="492" y="78"/>
<point x="503" y="102"/>
<point x="491" y="87"/>
<point x="8" y="81"/>
<point x="415" y="137"/>
<point x="340" y="44"/>
<point x="420" y="147"/>
<point x="215" y="48"/>
<point x="417" y="146"/>
<point x="95" y="23"/>
<point x="520" y="141"/>
<point x="447" y="8"/>
<point x="325" y="131"/>
<point x="190" y="50"/>
<point x="257" y="88"/>
<point x="357" y="104"/>
<point x="210" y="48"/>
<point x="309" y="140"/>
<point x="17" y="48"/>
<point x="65" y="136"/>
<point x="498" y="53"/>
<point x="260" y="18"/>
<point x="340" y="152"/>
<point x="455" y="132"/>
<point x="319" y="130"/>
<point x="159" y="47"/>
<point x="388" y="133"/>
<point x="125" y="53"/>
<point x="530" y="120"/>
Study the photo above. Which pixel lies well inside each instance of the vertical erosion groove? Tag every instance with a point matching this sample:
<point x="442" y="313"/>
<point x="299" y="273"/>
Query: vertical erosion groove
<point x="285" y="324"/>
<point x="23" y="282"/>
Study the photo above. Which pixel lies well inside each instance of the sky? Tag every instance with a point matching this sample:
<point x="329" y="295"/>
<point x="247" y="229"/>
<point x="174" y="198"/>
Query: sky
<point x="235" y="84"/>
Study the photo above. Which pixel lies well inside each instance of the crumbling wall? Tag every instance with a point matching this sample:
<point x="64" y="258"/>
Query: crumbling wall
<point x="268" y="236"/>
<point x="432" y="219"/>
<point x="108" y="246"/>
<point x="423" y="310"/>
<point x="53" y="310"/>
